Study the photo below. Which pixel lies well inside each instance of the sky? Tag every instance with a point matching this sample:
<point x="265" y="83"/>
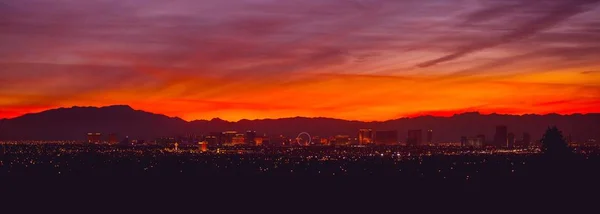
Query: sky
<point x="349" y="59"/>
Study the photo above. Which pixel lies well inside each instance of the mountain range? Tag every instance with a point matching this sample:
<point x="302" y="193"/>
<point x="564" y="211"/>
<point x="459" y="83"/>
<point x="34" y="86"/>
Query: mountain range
<point x="75" y="122"/>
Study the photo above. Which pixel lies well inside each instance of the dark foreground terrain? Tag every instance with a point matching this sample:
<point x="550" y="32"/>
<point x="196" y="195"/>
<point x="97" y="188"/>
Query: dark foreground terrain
<point x="296" y="174"/>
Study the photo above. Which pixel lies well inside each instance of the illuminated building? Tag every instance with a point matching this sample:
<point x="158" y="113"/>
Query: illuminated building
<point x="415" y="138"/>
<point x="228" y="137"/>
<point x="474" y="142"/>
<point x="239" y="139"/>
<point x="526" y="139"/>
<point x="342" y="140"/>
<point x="501" y="136"/>
<point x="113" y="139"/>
<point x="190" y="139"/>
<point x="429" y="136"/>
<point x="215" y="139"/>
<point x="94" y="137"/>
<point x="260" y="140"/>
<point x="389" y="137"/>
<point x="324" y="141"/>
<point x="203" y="146"/>
<point x="211" y="140"/>
<point x="510" y="140"/>
<point x="365" y="136"/>
<point x="315" y="140"/>
<point x="249" y="139"/>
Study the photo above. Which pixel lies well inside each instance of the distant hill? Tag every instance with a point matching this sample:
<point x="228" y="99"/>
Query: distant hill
<point x="73" y="123"/>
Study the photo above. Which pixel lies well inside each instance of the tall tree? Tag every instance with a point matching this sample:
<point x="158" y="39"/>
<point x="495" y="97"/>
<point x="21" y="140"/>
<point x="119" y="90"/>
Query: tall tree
<point x="554" y="143"/>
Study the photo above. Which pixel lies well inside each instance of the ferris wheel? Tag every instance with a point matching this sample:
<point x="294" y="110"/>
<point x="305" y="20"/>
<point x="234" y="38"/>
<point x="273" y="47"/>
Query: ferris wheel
<point x="299" y="139"/>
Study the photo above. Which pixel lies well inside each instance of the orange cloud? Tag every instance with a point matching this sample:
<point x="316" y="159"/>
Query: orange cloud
<point x="271" y="59"/>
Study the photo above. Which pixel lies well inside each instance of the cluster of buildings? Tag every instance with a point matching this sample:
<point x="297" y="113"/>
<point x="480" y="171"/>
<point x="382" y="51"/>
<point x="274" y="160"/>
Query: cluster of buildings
<point x="96" y="138"/>
<point x="502" y="138"/>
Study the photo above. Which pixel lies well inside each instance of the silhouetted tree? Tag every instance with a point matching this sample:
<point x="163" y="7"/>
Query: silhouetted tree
<point x="554" y="143"/>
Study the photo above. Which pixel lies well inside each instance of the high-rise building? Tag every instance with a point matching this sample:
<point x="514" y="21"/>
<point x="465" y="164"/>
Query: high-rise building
<point x="463" y="141"/>
<point x="261" y="140"/>
<point x="474" y="142"/>
<point x="211" y="140"/>
<point x="510" y="140"/>
<point x="228" y="137"/>
<point x="501" y="136"/>
<point x="113" y="139"/>
<point x="365" y="136"/>
<point x="342" y="140"/>
<point x="94" y="137"/>
<point x="389" y="137"/>
<point x="526" y="139"/>
<point x="203" y="146"/>
<point x="315" y="140"/>
<point x="482" y="138"/>
<point x="415" y="138"/>
<point x="215" y="139"/>
<point x="250" y="135"/>
<point x="239" y="139"/>
<point x="429" y="136"/>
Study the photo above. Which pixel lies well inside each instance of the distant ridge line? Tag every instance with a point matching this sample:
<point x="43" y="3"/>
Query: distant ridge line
<point x="124" y="106"/>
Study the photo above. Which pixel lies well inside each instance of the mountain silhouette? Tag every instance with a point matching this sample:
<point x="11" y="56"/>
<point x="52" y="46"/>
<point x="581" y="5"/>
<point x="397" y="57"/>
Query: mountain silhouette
<point x="73" y="124"/>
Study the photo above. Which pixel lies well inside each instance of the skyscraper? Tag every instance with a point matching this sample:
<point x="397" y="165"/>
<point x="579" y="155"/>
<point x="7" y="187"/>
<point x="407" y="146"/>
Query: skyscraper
<point x="261" y="140"/>
<point x="386" y="137"/>
<point x="482" y="139"/>
<point x="463" y="141"/>
<point x="211" y="140"/>
<point x="415" y="137"/>
<point x="203" y="146"/>
<point x="215" y="139"/>
<point x="473" y="142"/>
<point x="250" y="135"/>
<point x="365" y="136"/>
<point x="113" y="139"/>
<point x="526" y="139"/>
<point x="430" y="136"/>
<point x="228" y="137"/>
<point x="93" y="137"/>
<point x="510" y="140"/>
<point x="501" y="136"/>
<point x="342" y="140"/>
<point x="239" y="139"/>
<point x="324" y="141"/>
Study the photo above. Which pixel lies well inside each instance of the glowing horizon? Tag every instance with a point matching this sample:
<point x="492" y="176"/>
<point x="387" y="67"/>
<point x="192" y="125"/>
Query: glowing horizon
<point x="368" y="60"/>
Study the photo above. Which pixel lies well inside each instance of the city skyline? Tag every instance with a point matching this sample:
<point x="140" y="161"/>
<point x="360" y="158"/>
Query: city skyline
<point x="368" y="60"/>
<point x="70" y="123"/>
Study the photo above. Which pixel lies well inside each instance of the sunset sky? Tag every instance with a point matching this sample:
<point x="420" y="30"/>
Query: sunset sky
<point x="350" y="59"/>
